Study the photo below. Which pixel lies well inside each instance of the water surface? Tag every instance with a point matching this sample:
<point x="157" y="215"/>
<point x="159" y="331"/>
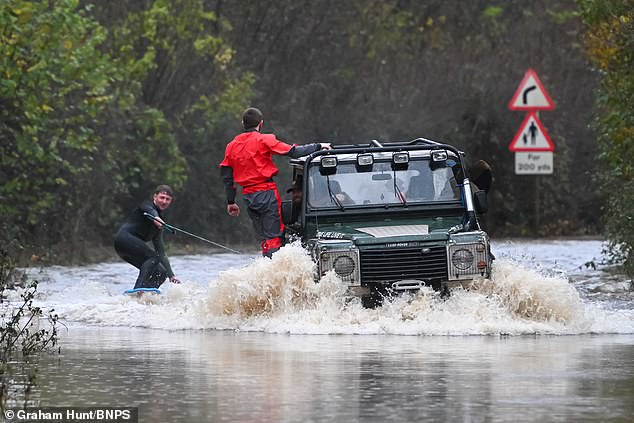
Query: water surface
<point x="249" y="339"/>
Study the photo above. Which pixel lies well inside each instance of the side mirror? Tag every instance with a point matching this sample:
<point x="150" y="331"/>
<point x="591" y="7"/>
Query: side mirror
<point x="290" y="212"/>
<point x="480" y="202"/>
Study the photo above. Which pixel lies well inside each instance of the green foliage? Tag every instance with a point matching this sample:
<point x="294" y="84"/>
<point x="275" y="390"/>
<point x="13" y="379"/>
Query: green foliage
<point x="68" y="113"/>
<point x="183" y="65"/>
<point x="610" y="45"/>
<point x="561" y="17"/>
<point x="493" y="11"/>
<point x="21" y="335"/>
<point x="52" y="87"/>
<point x="92" y="118"/>
<point x="21" y="326"/>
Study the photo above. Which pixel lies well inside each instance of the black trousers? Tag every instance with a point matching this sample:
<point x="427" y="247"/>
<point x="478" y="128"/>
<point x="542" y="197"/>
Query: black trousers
<point x="264" y="211"/>
<point x="135" y="251"/>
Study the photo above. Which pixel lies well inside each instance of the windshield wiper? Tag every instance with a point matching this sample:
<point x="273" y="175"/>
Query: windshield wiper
<point x="334" y="196"/>
<point x="397" y="191"/>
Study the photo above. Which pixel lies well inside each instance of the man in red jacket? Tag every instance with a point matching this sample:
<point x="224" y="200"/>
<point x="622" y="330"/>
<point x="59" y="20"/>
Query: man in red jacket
<point x="248" y="162"/>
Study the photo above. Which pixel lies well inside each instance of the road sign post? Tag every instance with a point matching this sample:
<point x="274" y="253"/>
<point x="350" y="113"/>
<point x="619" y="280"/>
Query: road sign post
<point x="532" y="145"/>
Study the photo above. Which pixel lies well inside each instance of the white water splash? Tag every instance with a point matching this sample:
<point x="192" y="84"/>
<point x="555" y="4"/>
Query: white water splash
<point x="529" y="295"/>
<point x="279" y="296"/>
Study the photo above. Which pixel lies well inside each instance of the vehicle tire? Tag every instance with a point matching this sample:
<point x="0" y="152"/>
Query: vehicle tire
<point x="373" y="300"/>
<point x="445" y="292"/>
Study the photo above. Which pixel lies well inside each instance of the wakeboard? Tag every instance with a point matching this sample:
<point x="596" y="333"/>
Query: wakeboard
<point x="142" y="290"/>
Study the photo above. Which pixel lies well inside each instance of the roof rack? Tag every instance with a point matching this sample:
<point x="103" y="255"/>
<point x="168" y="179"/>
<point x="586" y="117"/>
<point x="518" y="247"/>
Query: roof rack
<point x="415" y="141"/>
<point x="376" y="143"/>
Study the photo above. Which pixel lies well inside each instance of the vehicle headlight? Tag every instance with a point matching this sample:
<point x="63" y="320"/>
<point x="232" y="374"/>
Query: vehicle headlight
<point x="344" y="266"/>
<point x="468" y="255"/>
<point x="462" y="259"/>
<point x="345" y="263"/>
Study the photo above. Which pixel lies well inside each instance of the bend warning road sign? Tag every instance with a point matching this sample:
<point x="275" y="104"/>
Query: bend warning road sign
<point x="532" y="136"/>
<point x="531" y="94"/>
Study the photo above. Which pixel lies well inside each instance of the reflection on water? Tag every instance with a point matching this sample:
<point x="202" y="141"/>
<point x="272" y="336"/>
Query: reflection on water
<point x="228" y="376"/>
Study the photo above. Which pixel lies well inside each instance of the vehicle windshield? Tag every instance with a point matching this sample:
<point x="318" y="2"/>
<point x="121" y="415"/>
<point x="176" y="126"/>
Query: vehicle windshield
<point x="381" y="186"/>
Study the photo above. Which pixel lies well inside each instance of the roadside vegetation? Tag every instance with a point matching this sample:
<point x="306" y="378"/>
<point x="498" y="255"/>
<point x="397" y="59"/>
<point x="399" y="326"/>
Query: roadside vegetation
<point x="25" y="331"/>
<point x="101" y="102"/>
<point x="610" y="45"/>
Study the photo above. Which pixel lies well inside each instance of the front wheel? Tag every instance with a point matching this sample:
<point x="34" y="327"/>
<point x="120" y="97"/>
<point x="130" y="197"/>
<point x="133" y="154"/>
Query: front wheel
<point x="374" y="300"/>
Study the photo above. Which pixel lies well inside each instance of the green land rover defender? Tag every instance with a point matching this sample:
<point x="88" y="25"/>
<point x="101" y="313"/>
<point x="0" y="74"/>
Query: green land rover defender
<point x="391" y="217"/>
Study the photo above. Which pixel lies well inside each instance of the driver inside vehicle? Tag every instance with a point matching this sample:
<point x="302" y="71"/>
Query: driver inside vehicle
<point x="327" y="192"/>
<point x="339" y="194"/>
<point x="296" y="191"/>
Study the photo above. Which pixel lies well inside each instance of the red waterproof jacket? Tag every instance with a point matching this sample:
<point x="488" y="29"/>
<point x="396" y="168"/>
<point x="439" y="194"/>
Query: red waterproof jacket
<point x="250" y="157"/>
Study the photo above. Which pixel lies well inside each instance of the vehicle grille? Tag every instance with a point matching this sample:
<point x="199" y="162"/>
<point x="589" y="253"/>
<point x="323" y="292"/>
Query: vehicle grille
<point x="388" y="265"/>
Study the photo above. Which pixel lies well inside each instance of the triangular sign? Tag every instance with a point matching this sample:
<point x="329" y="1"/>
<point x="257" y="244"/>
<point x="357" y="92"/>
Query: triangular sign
<point x="532" y="136"/>
<point x="531" y="94"/>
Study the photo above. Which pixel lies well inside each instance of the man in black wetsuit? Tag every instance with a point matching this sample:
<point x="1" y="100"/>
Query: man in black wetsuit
<point x="145" y="224"/>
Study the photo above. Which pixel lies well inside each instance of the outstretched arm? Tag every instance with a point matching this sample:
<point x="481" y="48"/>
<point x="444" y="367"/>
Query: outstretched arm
<point x="149" y="211"/>
<point x="303" y="150"/>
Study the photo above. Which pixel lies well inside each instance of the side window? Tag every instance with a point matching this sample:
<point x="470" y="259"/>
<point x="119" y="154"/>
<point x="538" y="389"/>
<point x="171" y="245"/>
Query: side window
<point x="296" y="189"/>
<point x="317" y="189"/>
